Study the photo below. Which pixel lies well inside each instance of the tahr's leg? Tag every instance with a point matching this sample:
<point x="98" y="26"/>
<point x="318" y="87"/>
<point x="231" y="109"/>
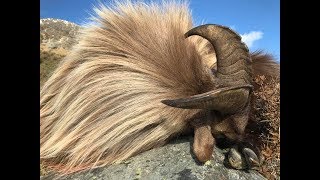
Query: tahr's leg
<point x="203" y="140"/>
<point x="242" y="156"/>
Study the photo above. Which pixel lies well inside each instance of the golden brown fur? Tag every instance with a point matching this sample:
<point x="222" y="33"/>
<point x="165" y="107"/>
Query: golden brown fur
<point x="264" y="64"/>
<point x="102" y="104"/>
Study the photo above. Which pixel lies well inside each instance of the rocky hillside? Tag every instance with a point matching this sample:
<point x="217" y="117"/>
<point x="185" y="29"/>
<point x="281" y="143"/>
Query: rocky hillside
<point x="57" y="33"/>
<point x="56" y="39"/>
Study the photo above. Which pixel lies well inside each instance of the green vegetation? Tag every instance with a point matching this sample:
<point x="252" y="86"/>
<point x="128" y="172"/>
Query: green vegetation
<point x="48" y="63"/>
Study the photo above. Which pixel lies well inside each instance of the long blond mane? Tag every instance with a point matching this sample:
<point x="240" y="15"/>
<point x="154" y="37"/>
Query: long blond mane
<point x="102" y="104"/>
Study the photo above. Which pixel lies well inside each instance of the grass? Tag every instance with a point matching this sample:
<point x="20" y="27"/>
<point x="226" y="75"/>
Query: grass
<point x="48" y="63"/>
<point x="264" y="126"/>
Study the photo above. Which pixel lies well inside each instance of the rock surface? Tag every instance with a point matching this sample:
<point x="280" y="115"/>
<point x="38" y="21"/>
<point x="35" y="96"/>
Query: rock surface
<point x="173" y="161"/>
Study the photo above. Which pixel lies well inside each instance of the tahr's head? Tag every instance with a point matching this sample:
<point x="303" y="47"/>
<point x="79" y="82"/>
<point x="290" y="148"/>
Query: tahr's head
<point x="233" y="79"/>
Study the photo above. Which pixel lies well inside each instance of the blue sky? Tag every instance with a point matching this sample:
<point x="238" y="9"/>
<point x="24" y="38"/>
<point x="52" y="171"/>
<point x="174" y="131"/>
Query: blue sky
<point x="258" y="21"/>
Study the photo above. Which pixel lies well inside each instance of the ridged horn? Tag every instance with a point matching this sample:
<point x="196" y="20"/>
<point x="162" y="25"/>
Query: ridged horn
<point x="234" y="72"/>
<point x="226" y="100"/>
<point x="233" y="58"/>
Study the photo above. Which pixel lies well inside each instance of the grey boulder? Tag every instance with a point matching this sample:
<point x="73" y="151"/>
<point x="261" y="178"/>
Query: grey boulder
<point x="172" y="161"/>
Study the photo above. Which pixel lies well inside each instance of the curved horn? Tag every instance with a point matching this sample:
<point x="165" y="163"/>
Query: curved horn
<point x="233" y="71"/>
<point x="227" y="99"/>
<point x="233" y="58"/>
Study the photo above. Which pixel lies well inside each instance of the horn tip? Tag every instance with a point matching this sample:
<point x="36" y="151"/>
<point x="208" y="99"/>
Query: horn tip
<point x="169" y="102"/>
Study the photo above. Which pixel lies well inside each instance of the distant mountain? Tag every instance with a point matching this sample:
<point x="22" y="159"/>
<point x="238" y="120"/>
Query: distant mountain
<point x="58" y="34"/>
<point x="56" y="39"/>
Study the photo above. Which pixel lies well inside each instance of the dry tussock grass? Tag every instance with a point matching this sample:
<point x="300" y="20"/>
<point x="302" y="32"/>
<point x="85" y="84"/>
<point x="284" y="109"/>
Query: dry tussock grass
<point x="265" y="124"/>
<point x="48" y="63"/>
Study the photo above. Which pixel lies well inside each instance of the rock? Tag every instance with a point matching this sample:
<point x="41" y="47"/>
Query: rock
<point x="52" y="44"/>
<point x="172" y="161"/>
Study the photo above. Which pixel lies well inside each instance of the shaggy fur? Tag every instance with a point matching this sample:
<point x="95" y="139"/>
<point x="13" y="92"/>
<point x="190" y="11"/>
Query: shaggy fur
<point x="263" y="64"/>
<point x="102" y="104"/>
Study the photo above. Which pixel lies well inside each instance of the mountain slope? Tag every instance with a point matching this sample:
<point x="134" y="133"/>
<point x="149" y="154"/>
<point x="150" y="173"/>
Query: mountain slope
<point x="57" y="33"/>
